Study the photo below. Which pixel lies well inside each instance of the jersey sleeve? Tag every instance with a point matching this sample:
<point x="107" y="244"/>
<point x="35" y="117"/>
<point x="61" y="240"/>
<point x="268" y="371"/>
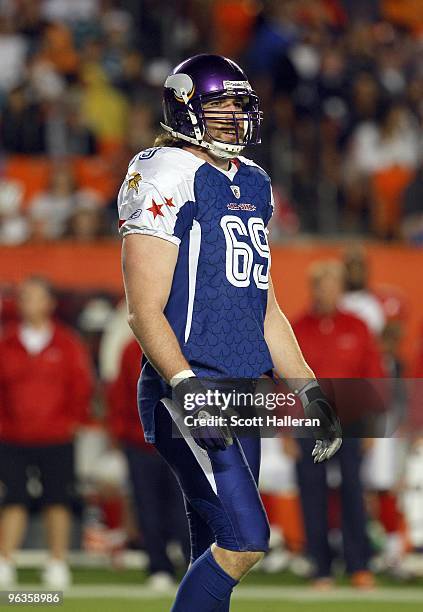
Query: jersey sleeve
<point x="145" y="208"/>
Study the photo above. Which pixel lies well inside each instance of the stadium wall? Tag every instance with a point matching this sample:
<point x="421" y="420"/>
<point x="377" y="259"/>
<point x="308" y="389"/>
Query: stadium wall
<point x="97" y="266"/>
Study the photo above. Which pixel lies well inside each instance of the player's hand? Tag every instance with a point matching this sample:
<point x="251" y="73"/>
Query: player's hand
<point x="328" y="434"/>
<point x="209" y="436"/>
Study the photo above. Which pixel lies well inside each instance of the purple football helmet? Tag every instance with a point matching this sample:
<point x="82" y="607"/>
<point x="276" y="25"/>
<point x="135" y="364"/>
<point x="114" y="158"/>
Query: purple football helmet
<point x="201" y="80"/>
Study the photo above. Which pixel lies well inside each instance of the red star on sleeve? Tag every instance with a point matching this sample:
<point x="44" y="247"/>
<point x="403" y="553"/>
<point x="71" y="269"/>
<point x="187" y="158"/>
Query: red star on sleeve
<point x="156" y="209"/>
<point x="169" y="202"/>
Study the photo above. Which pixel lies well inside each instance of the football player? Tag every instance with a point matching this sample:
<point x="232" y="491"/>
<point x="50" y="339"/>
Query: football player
<point x="196" y="262"/>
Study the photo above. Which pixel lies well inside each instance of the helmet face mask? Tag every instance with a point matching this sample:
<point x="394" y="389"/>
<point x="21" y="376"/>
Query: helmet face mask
<point x="242" y="125"/>
<point x="197" y="108"/>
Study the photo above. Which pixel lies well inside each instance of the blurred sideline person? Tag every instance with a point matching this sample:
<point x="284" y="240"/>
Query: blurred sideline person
<point x="336" y="345"/>
<point x="416" y="413"/>
<point x="115" y="337"/>
<point x="357" y="298"/>
<point x="45" y="390"/>
<point x="413" y="479"/>
<point x="383" y="312"/>
<point x="193" y="214"/>
<point x="158" y="502"/>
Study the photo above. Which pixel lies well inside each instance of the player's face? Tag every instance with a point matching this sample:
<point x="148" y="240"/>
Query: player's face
<point x="221" y="122"/>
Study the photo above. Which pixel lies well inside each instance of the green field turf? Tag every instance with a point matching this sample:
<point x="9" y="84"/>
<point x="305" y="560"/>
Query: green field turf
<point x="116" y="605"/>
<point x="163" y="605"/>
<point x="102" y="590"/>
<point x="136" y="577"/>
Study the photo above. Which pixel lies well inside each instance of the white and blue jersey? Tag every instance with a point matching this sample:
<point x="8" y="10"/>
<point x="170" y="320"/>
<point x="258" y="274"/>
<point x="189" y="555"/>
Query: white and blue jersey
<point x="218" y="219"/>
<point x="216" y="308"/>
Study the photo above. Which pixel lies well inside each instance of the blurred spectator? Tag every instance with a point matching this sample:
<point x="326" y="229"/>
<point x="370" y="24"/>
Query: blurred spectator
<point x="62" y="10"/>
<point x="22" y="127"/>
<point x="350" y="352"/>
<point x="44" y="80"/>
<point x="412" y="222"/>
<point x="28" y="19"/>
<point x="339" y="83"/>
<point x="233" y="22"/>
<point x="279" y="492"/>
<point x="104" y="108"/>
<point x="13" y="47"/>
<point x="93" y="320"/>
<point x="383" y="312"/>
<point x="383" y="472"/>
<point x="67" y="133"/>
<point x="395" y="309"/>
<point x="357" y="297"/>
<point x="396" y="156"/>
<point x="418" y="365"/>
<point x="359" y="10"/>
<point x="407" y="13"/>
<point x="13" y="225"/>
<point x="365" y="98"/>
<point x="105" y="513"/>
<point x="130" y="79"/>
<point x="275" y="31"/>
<point x="40" y="361"/>
<point x="117" y="27"/>
<point x="158" y="501"/>
<point x="84" y="76"/>
<point x="8" y="309"/>
<point x="49" y="211"/>
<point x="384" y="464"/>
<point x="79" y="138"/>
<point x="412" y="498"/>
<point x="57" y="48"/>
<point x="416" y="402"/>
<point x="87" y="221"/>
<point x="385" y="155"/>
<point x="141" y="128"/>
<point x="113" y="341"/>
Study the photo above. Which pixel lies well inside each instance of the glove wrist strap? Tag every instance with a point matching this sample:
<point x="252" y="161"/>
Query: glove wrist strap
<point x="302" y="393"/>
<point x="180" y="376"/>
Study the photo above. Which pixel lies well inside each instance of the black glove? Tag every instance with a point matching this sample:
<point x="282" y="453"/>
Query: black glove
<point x="211" y="436"/>
<point x="329" y="434"/>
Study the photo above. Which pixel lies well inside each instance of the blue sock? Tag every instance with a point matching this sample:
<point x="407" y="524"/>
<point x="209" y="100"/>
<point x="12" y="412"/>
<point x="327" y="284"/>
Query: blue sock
<point x="205" y="587"/>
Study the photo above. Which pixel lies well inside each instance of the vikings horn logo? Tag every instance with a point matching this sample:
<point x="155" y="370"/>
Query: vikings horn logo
<point x="134" y="180"/>
<point x="182" y="85"/>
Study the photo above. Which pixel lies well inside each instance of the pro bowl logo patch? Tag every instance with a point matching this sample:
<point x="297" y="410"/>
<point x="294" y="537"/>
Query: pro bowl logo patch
<point x="236" y="191"/>
<point x="134" y="181"/>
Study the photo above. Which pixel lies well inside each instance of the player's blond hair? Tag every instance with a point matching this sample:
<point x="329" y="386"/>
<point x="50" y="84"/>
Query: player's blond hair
<point x="164" y="139"/>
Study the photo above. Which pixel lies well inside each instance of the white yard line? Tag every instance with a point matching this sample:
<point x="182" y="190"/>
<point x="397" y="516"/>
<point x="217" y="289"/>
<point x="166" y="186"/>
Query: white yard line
<point x="250" y="593"/>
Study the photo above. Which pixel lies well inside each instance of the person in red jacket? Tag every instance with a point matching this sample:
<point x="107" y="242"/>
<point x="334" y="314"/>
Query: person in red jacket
<point x="45" y="390"/>
<point x="158" y="502"/>
<point x="415" y="417"/>
<point x="337" y="345"/>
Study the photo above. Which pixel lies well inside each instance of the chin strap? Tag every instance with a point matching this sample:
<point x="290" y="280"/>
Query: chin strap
<point x="217" y="148"/>
<point x="192" y="116"/>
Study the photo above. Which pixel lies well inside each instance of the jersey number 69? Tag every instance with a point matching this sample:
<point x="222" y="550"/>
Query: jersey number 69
<point x="240" y="255"/>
